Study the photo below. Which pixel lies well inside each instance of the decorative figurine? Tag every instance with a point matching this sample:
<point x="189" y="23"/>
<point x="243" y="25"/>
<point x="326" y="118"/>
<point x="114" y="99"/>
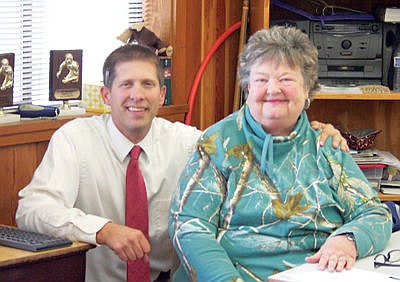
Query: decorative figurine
<point x="8" y="73"/>
<point x="73" y="69"/>
<point x="137" y="33"/>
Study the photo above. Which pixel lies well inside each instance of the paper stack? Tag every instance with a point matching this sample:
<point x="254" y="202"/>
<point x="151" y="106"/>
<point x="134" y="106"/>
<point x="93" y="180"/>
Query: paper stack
<point x="381" y="168"/>
<point x="390" y="15"/>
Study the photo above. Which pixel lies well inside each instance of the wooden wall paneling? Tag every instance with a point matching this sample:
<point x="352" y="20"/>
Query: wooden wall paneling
<point x="157" y="18"/>
<point x="233" y="15"/>
<point x="7" y="166"/>
<point x="186" y="33"/>
<point x="16" y="169"/>
<point x="358" y="114"/>
<point x="26" y="160"/>
<point x="217" y="88"/>
<point x="41" y="148"/>
<point x="206" y="98"/>
<point x="198" y="25"/>
<point x="259" y="14"/>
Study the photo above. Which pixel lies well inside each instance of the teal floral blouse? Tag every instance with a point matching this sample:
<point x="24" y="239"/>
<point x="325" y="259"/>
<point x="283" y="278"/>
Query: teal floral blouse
<point x="250" y="204"/>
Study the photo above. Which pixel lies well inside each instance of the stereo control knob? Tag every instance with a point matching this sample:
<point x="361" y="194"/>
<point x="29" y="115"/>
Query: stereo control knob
<point x="346" y="44"/>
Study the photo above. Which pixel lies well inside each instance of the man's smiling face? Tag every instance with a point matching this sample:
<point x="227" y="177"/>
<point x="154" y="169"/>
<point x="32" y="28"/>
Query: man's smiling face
<point x="135" y="97"/>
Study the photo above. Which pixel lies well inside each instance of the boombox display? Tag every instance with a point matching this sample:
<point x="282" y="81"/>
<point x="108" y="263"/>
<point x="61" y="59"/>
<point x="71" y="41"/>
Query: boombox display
<point x="351" y="52"/>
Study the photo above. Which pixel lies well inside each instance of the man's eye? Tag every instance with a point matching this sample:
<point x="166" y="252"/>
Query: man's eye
<point x="148" y="84"/>
<point x="125" y="84"/>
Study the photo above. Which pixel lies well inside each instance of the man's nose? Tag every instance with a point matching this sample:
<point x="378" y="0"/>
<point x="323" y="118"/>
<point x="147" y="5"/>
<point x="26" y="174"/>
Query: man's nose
<point x="136" y="92"/>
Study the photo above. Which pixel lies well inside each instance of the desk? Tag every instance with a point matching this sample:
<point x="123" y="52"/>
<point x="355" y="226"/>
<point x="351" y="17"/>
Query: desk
<point x="363" y="268"/>
<point x="62" y="264"/>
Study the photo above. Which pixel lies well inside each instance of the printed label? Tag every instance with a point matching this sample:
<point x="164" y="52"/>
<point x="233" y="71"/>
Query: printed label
<point x="396" y="62"/>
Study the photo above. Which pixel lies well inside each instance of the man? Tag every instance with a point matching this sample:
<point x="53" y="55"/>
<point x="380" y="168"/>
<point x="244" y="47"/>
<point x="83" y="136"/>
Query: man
<point x="78" y="190"/>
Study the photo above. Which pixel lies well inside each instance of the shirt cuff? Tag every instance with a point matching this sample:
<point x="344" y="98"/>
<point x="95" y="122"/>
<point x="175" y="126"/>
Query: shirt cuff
<point x="88" y="226"/>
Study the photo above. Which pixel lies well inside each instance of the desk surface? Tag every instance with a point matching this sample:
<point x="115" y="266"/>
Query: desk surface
<point x="363" y="267"/>
<point x="11" y="256"/>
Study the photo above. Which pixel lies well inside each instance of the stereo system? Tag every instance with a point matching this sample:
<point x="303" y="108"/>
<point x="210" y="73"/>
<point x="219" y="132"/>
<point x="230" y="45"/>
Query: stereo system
<point x="351" y="52"/>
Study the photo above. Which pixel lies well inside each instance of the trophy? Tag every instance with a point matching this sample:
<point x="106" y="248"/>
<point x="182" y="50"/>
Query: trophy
<point x="66" y="79"/>
<point x="7" y="86"/>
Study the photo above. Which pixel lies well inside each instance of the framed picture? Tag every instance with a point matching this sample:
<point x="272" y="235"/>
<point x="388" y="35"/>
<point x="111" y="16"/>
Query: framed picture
<point x="6" y="79"/>
<point x="65" y="75"/>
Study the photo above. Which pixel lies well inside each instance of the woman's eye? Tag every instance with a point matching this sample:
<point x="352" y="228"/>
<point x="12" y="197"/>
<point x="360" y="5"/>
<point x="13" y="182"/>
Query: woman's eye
<point x="287" y="79"/>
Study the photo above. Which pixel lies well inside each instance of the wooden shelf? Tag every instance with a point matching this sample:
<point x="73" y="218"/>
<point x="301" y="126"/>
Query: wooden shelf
<point x="389" y="197"/>
<point x="29" y="131"/>
<point x="339" y="96"/>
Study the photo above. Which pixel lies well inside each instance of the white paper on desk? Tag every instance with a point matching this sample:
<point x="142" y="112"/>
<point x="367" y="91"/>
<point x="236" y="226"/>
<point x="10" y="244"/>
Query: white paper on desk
<point x="310" y="273"/>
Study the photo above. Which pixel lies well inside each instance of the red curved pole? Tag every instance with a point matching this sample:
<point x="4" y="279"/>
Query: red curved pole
<point x="199" y="74"/>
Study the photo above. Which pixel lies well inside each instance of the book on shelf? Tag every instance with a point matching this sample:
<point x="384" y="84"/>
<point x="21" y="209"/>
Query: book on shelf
<point x="166" y="67"/>
<point x="390" y="190"/>
<point x="369" y="156"/>
<point x="347" y="89"/>
<point x="390" y="187"/>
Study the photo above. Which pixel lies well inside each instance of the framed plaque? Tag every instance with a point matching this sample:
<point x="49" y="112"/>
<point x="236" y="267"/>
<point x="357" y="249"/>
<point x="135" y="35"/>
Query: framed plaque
<point x="65" y="75"/>
<point x="6" y="79"/>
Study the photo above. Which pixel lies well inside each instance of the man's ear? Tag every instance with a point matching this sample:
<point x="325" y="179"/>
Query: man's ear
<point x="163" y="92"/>
<point x="106" y="95"/>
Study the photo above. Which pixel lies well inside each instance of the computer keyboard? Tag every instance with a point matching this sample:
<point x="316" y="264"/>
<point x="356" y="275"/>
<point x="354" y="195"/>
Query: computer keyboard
<point x="29" y="241"/>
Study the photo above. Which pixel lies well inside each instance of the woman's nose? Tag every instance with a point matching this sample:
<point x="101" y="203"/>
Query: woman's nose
<point x="273" y="87"/>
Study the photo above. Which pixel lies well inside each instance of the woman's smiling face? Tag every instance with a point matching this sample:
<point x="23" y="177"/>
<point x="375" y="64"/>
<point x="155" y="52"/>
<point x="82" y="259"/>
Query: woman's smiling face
<point x="276" y="96"/>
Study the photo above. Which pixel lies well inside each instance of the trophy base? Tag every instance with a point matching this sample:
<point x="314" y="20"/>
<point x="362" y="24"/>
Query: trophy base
<point x="9" y="118"/>
<point x="72" y="111"/>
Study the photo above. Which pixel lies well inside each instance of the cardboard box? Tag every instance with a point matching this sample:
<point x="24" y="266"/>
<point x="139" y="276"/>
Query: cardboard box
<point x="91" y="98"/>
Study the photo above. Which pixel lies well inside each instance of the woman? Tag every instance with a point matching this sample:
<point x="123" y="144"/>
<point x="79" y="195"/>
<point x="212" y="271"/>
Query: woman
<point x="260" y="195"/>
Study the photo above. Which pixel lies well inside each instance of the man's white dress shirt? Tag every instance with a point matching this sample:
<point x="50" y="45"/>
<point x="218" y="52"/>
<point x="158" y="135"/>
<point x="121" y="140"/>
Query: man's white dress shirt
<point x="80" y="186"/>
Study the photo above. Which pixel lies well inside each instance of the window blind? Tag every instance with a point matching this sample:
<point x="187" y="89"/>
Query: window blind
<point x="31" y="28"/>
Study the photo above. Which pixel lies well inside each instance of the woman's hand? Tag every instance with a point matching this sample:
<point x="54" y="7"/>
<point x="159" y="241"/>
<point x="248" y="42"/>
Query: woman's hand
<point x="336" y="254"/>
<point x="328" y="130"/>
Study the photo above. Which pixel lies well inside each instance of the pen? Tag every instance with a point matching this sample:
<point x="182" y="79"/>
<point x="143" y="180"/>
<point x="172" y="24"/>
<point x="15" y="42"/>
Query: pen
<point x="394" y="277"/>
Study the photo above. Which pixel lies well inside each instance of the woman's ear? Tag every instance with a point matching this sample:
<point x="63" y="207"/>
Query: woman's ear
<point x="106" y="95"/>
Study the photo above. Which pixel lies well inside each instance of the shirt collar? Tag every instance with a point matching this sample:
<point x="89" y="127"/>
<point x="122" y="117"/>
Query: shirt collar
<point x="122" y="145"/>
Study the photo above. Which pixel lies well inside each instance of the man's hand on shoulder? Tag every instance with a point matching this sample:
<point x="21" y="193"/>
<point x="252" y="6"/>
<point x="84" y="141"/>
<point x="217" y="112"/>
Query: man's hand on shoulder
<point x="127" y="243"/>
<point x="328" y="130"/>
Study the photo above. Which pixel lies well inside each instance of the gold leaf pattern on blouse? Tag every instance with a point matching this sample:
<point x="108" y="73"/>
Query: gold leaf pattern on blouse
<point x="208" y="144"/>
<point x="290" y="208"/>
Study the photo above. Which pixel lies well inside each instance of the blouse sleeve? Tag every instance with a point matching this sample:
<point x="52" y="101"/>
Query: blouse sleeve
<point x="364" y="215"/>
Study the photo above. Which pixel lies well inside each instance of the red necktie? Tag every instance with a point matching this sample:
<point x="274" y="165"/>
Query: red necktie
<point x="136" y="214"/>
